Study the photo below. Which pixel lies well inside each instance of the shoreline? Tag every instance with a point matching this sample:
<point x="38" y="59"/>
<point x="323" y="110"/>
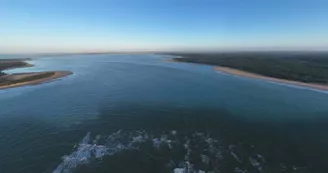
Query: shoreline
<point x="9" y="64"/>
<point x="55" y="75"/>
<point x="241" y="73"/>
<point x="26" y="65"/>
<point x="24" y="79"/>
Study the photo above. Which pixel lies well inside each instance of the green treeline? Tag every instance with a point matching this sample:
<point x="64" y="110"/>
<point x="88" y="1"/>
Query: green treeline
<point x="309" y="67"/>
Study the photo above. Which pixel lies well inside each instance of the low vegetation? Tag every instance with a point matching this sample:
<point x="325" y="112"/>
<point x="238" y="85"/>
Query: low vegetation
<point x="6" y="64"/>
<point x="16" y="63"/>
<point x="298" y="66"/>
<point x="5" y="81"/>
<point x="11" y="63"/>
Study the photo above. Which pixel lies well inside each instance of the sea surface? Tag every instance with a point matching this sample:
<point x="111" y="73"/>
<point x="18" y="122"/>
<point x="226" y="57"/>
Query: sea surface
<point x="140" y="113"/>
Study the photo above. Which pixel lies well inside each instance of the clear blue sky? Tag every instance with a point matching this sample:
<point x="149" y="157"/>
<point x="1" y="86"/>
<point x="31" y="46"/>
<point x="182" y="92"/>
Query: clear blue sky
<point x="116" y="25"/>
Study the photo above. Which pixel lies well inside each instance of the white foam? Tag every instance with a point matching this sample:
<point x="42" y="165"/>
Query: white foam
<point x="205" y="159"/>
<point x="86" y="152"/>
<point x="256" y="163"/>
<point x="260" y="157"/>
<point x="95" y="149"/>
<point x="179" y="170"/>
<point x="212" y="149"/>
<point x="187" y="170"/>
<point x="238" y="170"/>
<point x="156" y="143"/>
<point x="235" y="157"/>
<point x="174" y="132"/>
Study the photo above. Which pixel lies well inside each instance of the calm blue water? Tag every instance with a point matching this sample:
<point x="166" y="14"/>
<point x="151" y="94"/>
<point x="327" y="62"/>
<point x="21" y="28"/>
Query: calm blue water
<point x="138" y="113"/>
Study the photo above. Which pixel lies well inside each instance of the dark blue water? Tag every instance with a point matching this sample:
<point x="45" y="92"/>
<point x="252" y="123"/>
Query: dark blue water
<point x="139" y="113"/>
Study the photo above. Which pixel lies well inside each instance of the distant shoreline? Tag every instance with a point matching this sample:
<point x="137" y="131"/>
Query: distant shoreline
<point x="241" y="73"/>
<point x="24" y="79"/>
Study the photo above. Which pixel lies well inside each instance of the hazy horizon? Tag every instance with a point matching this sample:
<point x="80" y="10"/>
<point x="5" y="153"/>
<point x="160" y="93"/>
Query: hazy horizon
<point x="86" y="26"/>
<point x="117" y="51"/>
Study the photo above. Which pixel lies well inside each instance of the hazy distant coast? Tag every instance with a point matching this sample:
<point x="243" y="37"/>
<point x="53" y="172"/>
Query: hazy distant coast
<point x="23" y="79"/>
<point x="306" y="70"/>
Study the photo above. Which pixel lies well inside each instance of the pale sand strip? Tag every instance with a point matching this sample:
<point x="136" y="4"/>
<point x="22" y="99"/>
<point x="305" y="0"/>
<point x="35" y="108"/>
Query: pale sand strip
<point x="257" y="76"/>
<point x="241" y="73"/>
<point x="57" y="74"/>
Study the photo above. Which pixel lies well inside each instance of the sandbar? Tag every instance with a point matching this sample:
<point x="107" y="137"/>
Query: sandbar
<point x="23" y="79"/>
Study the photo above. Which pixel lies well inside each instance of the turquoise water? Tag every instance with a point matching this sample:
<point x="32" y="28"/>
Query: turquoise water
<point x="139" y="113"/>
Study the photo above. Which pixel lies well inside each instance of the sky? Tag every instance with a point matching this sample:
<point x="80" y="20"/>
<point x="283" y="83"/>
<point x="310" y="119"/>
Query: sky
<point x="52" y="26"/>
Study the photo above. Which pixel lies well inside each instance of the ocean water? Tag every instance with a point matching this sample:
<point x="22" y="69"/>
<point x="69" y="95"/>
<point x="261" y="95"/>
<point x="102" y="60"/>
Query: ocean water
<point x="140" y="113"/>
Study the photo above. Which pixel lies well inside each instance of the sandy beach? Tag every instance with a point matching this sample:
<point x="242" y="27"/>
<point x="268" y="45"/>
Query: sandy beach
<point x="23" y="79"/>
<point x="14" y="77"/>
<point x="241" y="73"/>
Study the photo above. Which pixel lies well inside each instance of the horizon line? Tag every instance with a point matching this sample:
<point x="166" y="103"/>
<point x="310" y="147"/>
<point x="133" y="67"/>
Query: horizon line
<point x="166" y="51"/>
